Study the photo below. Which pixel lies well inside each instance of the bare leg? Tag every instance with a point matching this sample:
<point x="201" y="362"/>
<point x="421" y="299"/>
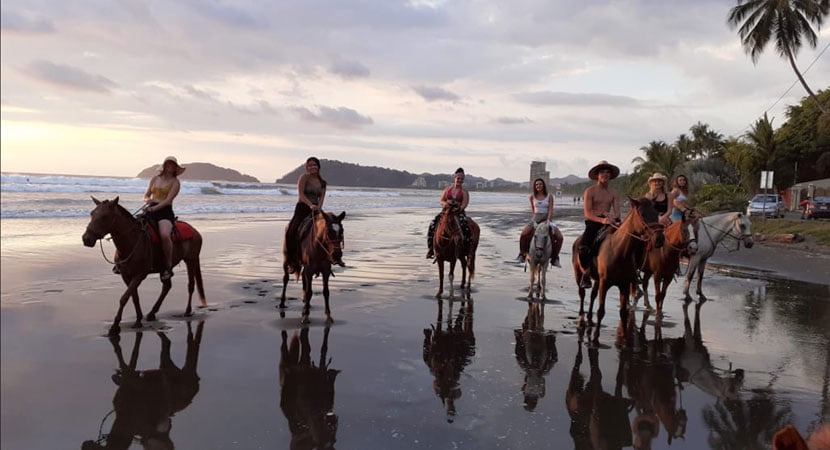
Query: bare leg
<point x="165" y="228"/>
<point x="524" y="242"/>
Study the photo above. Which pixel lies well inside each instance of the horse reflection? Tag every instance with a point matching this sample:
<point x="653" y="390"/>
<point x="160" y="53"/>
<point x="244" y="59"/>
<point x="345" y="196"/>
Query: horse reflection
<point x="448" y="351"/>
<point x="146" y="400"/>
<point x="599" y="420"/>
<point x="649" y="376"/>
<point x="307" y="392"/>
<point x="535" y="354"/>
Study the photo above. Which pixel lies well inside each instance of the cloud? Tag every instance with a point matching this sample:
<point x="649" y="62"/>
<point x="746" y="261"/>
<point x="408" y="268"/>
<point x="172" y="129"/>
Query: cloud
<point x="24" y="23"/>
<point x="549" y="98"/>
<point x="349" y="69"/>
<point x="342" y="117"/>
<point x="432" y="94"/>
<point x="513" y="120"/>
<point x="70" y="77"/>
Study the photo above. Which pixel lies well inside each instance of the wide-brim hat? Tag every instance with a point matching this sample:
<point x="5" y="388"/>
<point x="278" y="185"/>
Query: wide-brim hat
<point x="658" y="176"/>
<point x="179" y="169"/>
<point x="603" y="165"/>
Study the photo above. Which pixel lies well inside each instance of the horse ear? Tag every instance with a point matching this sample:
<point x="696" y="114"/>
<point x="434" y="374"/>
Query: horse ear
<point x="115" y="201"/>
<point x="97" y="202"/>
<point x="341" y="216"/>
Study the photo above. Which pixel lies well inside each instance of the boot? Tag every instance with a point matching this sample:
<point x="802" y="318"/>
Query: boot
<point x="430" y="254"/>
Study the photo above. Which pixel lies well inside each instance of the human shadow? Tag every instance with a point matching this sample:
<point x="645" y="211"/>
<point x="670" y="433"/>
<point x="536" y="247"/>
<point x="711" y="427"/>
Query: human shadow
<point x="448" y="348"/>
<point x="307" y="392"/>
<point x="535" y="353"/>
<point x="146" y="400"/>
<point x="599" y="420"/>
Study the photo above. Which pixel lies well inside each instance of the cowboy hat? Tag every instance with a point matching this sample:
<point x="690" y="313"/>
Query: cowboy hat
<point x="179" y="169"/>
<point x="658" y="176"/>
<point x="603" y="165"/>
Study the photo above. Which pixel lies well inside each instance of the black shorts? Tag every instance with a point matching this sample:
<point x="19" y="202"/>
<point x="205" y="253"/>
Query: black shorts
<point x="165" y="213"/>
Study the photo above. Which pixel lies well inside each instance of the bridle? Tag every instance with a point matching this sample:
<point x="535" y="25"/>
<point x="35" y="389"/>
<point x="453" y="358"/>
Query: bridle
<point x="728" y="233"/>
<point x="99" y="236"/>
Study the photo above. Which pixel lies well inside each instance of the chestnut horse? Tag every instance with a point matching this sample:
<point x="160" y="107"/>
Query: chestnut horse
<point x="619" y="257"/>
<point x="318" y="248"/>
<point x="663" y="262"/>
<point x="139" y="256"/>
<point x="449" y="245"/>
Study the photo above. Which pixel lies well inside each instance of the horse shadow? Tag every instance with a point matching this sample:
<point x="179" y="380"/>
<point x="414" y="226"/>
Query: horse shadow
<point x="448" y="348"/>
<point x="598" y="418"/>
<point x="146" y="400"/>
<point x="307" y="392"/>
<point x="535" y="353"/>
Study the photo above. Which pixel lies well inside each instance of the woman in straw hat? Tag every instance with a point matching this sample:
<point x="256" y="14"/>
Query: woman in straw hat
<point x="662" y="200"/>
<point x="163" y="188"/>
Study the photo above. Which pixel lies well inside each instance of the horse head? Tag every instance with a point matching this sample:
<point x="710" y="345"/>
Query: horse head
<point x="101" y="222"/>
<point x="541" y="242"/>
<point x="329" y="234"/>
<point x="689" y="224"/>
<point x="744" y="228"/>
<point x="649" y="224"/>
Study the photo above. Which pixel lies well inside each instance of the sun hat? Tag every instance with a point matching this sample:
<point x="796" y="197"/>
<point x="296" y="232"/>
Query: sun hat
<point x="658" y="176"/>
<point x="179" y="169"/>
<point x="603" y="165"/>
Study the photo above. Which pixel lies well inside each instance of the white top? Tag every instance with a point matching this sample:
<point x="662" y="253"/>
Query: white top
<point x="541" y="205"/>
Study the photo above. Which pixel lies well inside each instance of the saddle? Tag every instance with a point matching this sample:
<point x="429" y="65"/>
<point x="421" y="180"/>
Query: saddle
<point x="182" y="231"/>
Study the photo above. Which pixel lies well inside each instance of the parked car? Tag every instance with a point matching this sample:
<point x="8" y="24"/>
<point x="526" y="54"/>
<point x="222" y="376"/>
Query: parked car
<point x="819" y="208"/>
<point x="771" y="205"/>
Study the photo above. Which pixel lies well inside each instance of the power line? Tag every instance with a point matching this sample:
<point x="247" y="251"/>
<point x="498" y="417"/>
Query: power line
<point x="788" y="89"/>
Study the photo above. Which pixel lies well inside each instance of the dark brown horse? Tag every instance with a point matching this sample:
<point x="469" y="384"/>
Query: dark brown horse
<point x="146" y="400"/>
<point x="663" y="262"/>
<point x="449" y="245"/>
<point x="307" y="392"/>
<point x="139" y="256"/>
<point x="319" y="246"/>
<point x="619" y="257"/>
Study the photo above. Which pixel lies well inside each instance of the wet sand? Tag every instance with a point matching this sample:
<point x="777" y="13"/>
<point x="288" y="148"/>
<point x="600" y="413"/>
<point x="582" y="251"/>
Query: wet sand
<point x="401" y="369"/>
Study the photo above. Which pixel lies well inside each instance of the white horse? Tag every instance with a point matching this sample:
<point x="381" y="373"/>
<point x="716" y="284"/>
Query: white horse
<point x="539" y="257"/>
<point x="711" y="231"/>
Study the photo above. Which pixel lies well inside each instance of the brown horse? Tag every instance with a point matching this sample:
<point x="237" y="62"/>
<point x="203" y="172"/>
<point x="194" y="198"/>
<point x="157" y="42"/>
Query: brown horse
<point x="146" y="400"/>
<point x="307" y="392"/>
<point x="449" y="245"/>
<point x="619" y="257"/>
<point x="139" y="256"/>
<point x="321" y="245"/>
<point x="663" y="262"/>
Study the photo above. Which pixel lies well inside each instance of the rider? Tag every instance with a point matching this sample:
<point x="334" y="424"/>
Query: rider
<point x="663" y="202"/>
<point x="163" y="188"/>
<point x="541" y="205"/>
<point x="599" y="199"/>
<point x="680" y="193"/>
<point x="454" y="196"/>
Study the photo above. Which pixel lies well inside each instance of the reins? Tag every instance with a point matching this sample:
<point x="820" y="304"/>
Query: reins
<point x="142" y="238"/>
<point x="725" y="233"/>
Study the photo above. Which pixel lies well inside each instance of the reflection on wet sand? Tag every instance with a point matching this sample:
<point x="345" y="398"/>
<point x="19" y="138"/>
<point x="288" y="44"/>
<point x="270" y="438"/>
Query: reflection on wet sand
<point x="448" y="351"/>
<point x="535" y="353"/>
<point x="598" y="419"/>
<point x="146" y="400"/>
<point x="307" y="392"/>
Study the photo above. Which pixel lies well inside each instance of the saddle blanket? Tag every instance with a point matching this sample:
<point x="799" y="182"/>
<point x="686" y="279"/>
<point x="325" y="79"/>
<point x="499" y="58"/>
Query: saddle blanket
<point x="182" y="231"/>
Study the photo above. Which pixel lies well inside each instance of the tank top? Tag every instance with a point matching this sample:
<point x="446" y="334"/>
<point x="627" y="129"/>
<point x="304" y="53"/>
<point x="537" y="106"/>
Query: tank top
<point x="541" y="205"/>
<point x="160" y="192"/>
<point x="662" y="206"/>
<point x="312" y="192"/>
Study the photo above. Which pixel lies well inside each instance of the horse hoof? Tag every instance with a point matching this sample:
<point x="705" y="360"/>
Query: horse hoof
<point x="329" y="320"/>
<point x="151" y="317"/>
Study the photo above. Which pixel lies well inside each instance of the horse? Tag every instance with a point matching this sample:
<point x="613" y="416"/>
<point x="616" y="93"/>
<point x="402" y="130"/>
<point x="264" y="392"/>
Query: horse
<point x="539" y="257"/>
<point x="535" y="353"/>
<point x="449" y="245"/>
<point x="620" y="254"/>
<point x="321" y="245"/>
<point x="711" y="231"/>
<point x="146" y="400"/>
<point x="139" y="256"/>
<point x="307" y="392"/>
<point x="663" y="262"/>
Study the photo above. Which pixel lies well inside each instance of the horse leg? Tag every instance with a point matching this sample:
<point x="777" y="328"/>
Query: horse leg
<point x="594" y="292"/>
<point x="138" y="314"/>
<point x="661" y="293"/>
<point x="543" y="281"/>
<point x="463" y="274"/>
<point x="700" y="269"/>
<point x="530" y="286"/>
<point x="284" y="284"/>
<point x="132" y="289"/>
<point x="646" y="277"/>
<point x="326" y="275"/>
<point x="194" y="279"/>
<point x="603" y="290"/>
<point x="440" y="278"/>
<point x="690" y="275"/>
<point x="451" y="277"/>
<point x="624" y="295"/>
<point x="165" y="288"/>
<point x="306" y="295"/>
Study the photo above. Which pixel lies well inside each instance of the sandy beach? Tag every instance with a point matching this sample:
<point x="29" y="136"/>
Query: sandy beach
<point x="394" y="375"/>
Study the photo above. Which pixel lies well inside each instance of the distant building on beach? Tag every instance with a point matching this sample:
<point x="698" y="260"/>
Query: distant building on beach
<point x="537" y="170"/>
<point x="420" y="182"/>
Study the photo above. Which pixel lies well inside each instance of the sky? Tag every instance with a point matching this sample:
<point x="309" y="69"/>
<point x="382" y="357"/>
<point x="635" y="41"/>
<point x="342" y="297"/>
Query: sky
<point x="109" y="87"/>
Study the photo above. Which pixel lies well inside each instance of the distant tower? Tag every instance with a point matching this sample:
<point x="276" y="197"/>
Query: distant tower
<point x="537" y="170"/>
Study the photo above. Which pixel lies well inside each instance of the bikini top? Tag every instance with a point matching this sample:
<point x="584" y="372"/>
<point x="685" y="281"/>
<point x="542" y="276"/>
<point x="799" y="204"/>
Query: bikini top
<point x="458" y="196"/>
<point x="681" y="198"/>
<point x="541" y="205"/>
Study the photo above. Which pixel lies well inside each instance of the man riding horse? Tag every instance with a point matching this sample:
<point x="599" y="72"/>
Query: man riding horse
<point x="599" y="200"/>
<point x="457" y="197"/>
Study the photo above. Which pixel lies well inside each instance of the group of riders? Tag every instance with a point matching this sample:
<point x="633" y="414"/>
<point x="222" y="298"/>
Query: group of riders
<point x="601" y="209"/>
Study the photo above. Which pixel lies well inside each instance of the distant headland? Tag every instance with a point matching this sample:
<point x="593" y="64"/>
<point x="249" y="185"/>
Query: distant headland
<point x="203" y="171"/>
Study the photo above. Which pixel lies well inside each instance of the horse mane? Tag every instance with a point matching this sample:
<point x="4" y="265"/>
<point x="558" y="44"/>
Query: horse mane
<point x="321" y="224"/>
<point x="125" y="212"/>
<point x="444" y="223"/>
<point x="635" y="212"/>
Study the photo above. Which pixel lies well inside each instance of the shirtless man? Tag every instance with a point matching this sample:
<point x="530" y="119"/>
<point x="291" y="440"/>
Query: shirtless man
<point x="599" y="200"/>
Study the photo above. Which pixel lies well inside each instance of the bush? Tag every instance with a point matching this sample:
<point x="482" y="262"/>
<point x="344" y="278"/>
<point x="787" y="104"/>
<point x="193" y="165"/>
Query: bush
<point x="720" y="197"/>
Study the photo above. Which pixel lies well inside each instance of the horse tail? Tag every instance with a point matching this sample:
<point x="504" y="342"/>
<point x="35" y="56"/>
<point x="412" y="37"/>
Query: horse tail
<point x="197" y="274"/>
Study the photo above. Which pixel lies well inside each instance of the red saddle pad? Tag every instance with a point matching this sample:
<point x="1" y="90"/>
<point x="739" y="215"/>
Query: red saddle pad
<point x="182" y="232"/>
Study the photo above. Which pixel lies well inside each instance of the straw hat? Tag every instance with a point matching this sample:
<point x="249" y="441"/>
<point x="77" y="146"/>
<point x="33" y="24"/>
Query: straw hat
<point x="603" y="165"/>
<point x="179" y="169"/>
<point x="658" y="176"/>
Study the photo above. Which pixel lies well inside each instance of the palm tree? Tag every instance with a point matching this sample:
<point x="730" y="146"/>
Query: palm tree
<point x="659" y="157"/>
<point x="706" y="142"/>
<point x="762" y="139"/>
<point x="785" y="21"/>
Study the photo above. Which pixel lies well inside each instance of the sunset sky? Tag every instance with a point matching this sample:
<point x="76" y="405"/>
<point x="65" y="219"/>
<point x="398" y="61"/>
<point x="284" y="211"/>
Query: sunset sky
<point x="111" y="87"/>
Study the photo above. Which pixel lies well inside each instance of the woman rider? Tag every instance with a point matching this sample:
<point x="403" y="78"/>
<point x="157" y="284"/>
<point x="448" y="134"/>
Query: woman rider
<point x="454" y="196"/>
<point x="311" y="192"/>
<point x="680" y="191"/>
<point x="163" y="188"/>
<point x="663" y="201"/>
<point x="541" y="205"/>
